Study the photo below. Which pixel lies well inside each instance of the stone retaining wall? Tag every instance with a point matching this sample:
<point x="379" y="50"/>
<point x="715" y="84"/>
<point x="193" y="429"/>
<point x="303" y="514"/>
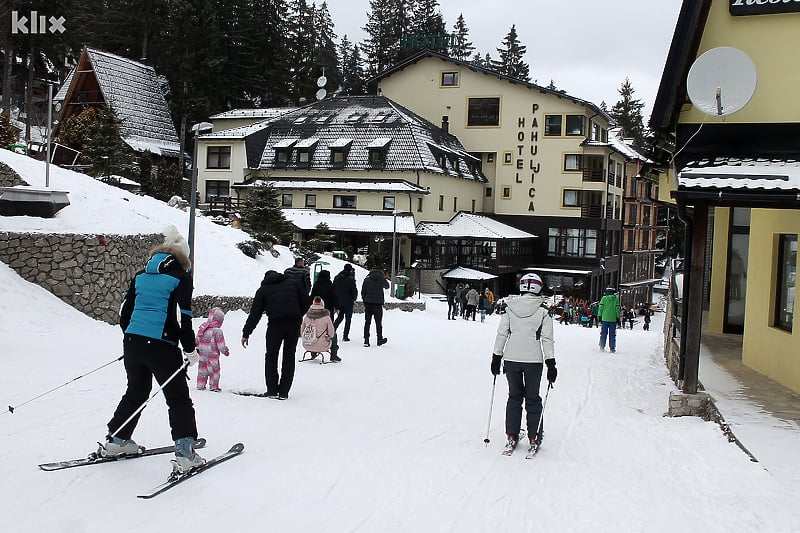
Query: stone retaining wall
<point x="89" y="272"/>
<point x="8" y="177"/>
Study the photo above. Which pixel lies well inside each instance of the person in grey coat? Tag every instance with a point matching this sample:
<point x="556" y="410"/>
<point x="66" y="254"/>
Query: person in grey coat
<point x="372" y="294"/>
<point x="525" y="340"/>
<point x="472" y="303"/>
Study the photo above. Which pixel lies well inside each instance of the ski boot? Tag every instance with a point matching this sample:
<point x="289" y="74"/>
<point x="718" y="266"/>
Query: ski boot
<point x="117" y="447"/>
<point x="186" y="458"/>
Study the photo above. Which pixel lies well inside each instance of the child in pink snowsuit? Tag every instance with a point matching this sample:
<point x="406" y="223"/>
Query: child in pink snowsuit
<point x="210" y="343"/>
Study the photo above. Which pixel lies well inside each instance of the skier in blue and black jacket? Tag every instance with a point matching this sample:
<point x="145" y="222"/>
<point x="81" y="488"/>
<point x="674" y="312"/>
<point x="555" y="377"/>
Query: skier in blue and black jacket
<point x="156" y="316"/>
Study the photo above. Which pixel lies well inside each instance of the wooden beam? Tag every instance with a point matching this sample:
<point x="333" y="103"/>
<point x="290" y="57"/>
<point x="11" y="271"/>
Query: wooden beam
<point x="694" y="315"/>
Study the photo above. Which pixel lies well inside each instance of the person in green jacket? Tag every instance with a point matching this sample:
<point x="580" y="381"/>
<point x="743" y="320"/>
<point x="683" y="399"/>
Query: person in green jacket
<point x="609" y="312"/>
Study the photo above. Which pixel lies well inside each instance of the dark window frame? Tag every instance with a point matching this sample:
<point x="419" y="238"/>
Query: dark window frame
<point x="786" y="274"/>
<point x="549" y="125"/>
<point x="344" y="201"/>
<point x="571" y="131"/>
<point x="218" y="157"/>
<point x="393" y="202"/>
<point x="483" y="112"/>
<point x="311" y="200"/>
<point x="449" y="79"/>
<point x="217" y="189"/>
<point x="284" y="197"/>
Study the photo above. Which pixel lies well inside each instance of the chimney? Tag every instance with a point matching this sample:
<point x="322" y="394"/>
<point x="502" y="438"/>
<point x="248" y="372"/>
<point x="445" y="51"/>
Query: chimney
<point x="445" y="123"/>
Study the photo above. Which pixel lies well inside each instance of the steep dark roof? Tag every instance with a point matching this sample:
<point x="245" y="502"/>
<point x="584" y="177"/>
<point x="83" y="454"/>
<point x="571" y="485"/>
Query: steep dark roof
<point x="489" y="72"/>
<point x="682" y="52"/>
<point x="361" y="124"/>
<point x="132" y="90"/>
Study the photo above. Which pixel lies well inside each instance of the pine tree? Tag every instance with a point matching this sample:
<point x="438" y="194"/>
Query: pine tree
<point x="463" y="49"/>
<point x="326" y="60"/>
<point x="263" y="218"/>
<point x="426" y="21"/>
<point x="627" y="113"/>
<point x="300" y="37"/>
<point x="510" y="62"/>
<point x="386" y="22"/>
<point x="352" y="69"/>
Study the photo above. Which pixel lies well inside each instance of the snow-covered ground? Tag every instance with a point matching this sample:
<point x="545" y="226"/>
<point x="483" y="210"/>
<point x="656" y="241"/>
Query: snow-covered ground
<point x="390" y="440"/>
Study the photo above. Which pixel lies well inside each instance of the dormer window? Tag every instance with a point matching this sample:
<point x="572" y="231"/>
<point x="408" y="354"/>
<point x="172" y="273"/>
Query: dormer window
<point x="339" y="150"/>
<point x="283" y="151"/>
<point x="378" y="149"/>
<point x="305" y="151"/>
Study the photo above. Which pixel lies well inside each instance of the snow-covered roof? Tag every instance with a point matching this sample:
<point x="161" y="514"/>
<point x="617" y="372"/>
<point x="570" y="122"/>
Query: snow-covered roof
<point x="264" y="113"/>
<point x="309" y="219"/>
<point x="741" y="173"/>
<point x="558" y="271"/>
<point x="471" y="225"/>
<point x="340" y="184"/>
<point x="379" y="142"/>
<point x="132" y="90"/>
<point x="624" y="145"/>
<point x="239" y="132"/>
<point x="466" y="273"/>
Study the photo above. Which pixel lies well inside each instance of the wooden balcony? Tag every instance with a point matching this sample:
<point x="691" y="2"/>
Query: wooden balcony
<point x="593" y="174"/>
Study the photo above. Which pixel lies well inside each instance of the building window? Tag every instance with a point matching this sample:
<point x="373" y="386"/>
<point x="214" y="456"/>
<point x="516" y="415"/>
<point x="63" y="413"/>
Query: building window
<point x="419" y="205"/>
<point x="506" y="192"/>
<point x="441" y="202"/>
<point x="311" y="200"/>
<point x="286" y="200"/>
<point x="303" y="157"/>
<point x="507" y="158"/>
<point x="785" y="287"/>
<point x="473" y="205"/>
<point x="337" y="157"/>
<point x="573" y="162"/>
<point x="376" y="157"/>
<point x="282" y="156"/>
<point x="571" y="242"/>
<point x="455" y="203"/>
<point x="344" y="201"/>
<point x="449" y="79"/>
<point x="575" y="124"/>
<point x="488" y="192"/>
<point x="490" y="157"/>
<point x="217" y="189"/>
<point x="595" y="132"/>
<point x="218" y="157"/>
<point x="388" y="202"/>
<point x="483" y="112"/>
<point x="552" y="125"/>
<point x="571" y="198"/>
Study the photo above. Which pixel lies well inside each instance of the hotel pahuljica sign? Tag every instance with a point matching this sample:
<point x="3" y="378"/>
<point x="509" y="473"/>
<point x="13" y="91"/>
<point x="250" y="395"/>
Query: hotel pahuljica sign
<point x="763" y="7"/>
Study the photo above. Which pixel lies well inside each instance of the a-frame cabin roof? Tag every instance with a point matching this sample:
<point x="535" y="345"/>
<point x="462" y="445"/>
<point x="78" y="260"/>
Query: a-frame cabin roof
<point x="132" y="90"/>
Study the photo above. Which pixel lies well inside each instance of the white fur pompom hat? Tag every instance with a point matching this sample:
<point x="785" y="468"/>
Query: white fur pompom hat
<point x="172" y="237"/>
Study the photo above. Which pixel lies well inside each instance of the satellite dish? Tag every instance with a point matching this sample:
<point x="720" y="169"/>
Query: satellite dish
<point x="321" y="81"/>
<point x="721" y="81"/>
<point x="321" y="94"/>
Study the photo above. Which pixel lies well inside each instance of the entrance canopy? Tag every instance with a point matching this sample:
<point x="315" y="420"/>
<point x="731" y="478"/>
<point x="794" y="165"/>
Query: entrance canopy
<point x="467" y="273"/>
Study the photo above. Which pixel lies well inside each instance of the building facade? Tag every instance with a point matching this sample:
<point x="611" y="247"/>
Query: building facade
<point x="551" y="170"/>
<point x="737" y="180"/>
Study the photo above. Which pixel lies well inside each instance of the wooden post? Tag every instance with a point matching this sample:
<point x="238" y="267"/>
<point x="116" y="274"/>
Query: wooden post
<point x="694" y="316"/>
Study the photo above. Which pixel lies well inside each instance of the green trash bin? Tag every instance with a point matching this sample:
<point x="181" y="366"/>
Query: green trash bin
<point x="400" y="291"/>
<point x="319" y="266"/>
<point x="20" y="148"/>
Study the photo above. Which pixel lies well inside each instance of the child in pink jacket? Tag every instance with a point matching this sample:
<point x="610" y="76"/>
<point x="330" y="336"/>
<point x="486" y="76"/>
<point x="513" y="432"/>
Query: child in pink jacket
<point x="210" y="344"/>
<point x="316" y="331"/>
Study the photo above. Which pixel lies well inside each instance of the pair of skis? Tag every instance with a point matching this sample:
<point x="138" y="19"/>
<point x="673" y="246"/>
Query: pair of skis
<point x="532" y="450"/>
<point x="174" y="477"/>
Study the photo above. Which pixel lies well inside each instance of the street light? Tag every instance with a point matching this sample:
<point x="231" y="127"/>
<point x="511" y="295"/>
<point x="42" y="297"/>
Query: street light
<point x="197" y="130"/>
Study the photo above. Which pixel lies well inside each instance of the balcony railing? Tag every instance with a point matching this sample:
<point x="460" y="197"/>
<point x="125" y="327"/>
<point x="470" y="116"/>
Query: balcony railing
<point x="593" y="174"/>
<point x="591" y="211"/>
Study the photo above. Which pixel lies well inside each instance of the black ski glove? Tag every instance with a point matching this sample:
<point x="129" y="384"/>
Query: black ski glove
<point x="551" y="370"/>
<point x="496" y="363"/>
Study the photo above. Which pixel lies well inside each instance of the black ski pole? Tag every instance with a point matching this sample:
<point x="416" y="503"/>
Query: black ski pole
<point x="491" y="405"/>
<point x="11" y="408"/>
<point x="181" y="368"/>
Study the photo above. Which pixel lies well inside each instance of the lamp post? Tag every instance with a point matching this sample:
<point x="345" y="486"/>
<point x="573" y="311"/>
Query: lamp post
<point x="197" y="130"/>
<point x="49" y="133"/>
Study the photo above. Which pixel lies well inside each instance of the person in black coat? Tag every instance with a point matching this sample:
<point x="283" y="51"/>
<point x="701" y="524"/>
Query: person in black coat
<point x="346" y="293"/>
<point x="285" y="302"/>
<point x="300" y="273"/>
<point x="372" y="294"/>
<point x="452" y="306"/>
<point x="325" y="290"/>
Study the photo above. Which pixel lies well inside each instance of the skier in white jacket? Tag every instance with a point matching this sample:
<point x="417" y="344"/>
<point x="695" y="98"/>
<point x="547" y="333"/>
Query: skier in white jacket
<point x="525" y="340"/>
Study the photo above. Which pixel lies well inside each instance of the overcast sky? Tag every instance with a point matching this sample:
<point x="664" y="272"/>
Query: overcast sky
<point x="587" y="47"/>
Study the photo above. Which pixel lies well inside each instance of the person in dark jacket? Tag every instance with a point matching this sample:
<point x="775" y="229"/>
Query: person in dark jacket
<point x="452" y="306"/>
<point x="153" y="331"/>
<point x="344" y="284"/>
<point x="372" y="295"/>
<point x="285" y="302"/>
<point x="300" y="273"/>
<point x="325" y="290"/>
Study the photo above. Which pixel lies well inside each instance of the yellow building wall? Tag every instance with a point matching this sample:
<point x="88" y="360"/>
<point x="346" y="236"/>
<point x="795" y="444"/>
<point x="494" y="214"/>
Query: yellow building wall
<point x="533" y="171"/>
<point x="719" y="263"/>
<point x="766" y="349"/>
<point x="772" y="42"/>
<point x="238" y="167"/>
